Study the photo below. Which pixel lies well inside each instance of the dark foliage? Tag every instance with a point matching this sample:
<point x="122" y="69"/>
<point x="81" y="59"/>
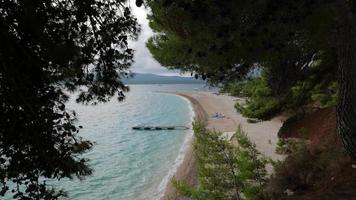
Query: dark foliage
<point x="224" y="39"/>
<point x="47" y="47"/>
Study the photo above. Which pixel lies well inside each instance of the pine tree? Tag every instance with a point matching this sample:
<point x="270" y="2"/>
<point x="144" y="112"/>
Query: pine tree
<point x="225" y="171"/>
<point x="223" y="40"/>
<point x="48" y="47"/>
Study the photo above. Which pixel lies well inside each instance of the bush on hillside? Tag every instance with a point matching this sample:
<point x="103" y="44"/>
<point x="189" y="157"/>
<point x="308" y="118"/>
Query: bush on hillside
<point x="263" y="102"/>
<point x="225" y="171"/>
<point x="301" y="170"/>
<point x="287" y="146"/>
<point x="325" y="95"/>
<point x="260" y="103"/>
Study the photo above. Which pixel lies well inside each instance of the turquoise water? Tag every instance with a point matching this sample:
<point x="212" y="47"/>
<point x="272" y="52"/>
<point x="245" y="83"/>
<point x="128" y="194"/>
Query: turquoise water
<point x="131" y="164"/>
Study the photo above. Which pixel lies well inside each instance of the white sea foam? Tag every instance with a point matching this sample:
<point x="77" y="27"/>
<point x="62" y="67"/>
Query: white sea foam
<point x="180" y="158"/>
<point x="132" y="164"/>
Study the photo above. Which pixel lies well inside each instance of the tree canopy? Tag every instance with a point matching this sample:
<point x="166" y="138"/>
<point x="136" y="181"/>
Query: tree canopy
<point x="300" y="45"/>
<point x="48" y="47"/>
<point x="222" y="40"/>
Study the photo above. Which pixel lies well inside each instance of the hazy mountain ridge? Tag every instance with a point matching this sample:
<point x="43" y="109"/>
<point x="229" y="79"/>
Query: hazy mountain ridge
<point x="139" y="78"/>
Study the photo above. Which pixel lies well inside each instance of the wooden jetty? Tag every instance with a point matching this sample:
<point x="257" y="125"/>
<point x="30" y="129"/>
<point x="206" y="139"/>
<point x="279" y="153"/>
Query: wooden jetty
<point x="158" y="128"/>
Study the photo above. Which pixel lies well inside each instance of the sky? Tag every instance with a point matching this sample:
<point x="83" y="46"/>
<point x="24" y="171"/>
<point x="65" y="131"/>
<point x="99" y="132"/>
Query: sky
<point x="143" y="60"/>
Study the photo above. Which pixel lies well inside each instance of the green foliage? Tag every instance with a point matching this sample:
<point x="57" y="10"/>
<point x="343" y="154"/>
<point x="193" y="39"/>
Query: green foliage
<point x="225" y="41"/>
<point x="261" y="108"/>
<point x="263" y="103"/>
<point x="251" y="165"/>
<point x="225" y="171"/>
<point x="305" y="46"/>
<point x="197" y="36"/>
<point x="48" y="47"/>
<point x="302" y="168"/>
<point x="326" y="95"/>
<point x="260" y="103"/>
<point x="300" y="92"/>
<point x="183" y="188"/>
<point x="305" y="92"/>
<point x="236" y="89"/>
<point x="291" y="173"/>
<point x="216" y="170"/>
<point x="286" y="146"/>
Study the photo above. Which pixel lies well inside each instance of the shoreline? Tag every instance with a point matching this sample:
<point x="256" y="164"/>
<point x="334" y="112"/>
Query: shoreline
<point x="263" y="134"/>
<point x="186" y="171"/>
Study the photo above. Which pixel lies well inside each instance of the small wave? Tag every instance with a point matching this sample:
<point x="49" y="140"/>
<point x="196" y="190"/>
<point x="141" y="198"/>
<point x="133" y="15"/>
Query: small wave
<point x="180" y="158"/>
<point x="122" y="141"/>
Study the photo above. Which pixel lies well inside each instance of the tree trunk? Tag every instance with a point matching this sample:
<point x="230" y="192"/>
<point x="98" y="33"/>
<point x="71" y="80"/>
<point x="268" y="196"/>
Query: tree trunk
<point x="346" y="108"/>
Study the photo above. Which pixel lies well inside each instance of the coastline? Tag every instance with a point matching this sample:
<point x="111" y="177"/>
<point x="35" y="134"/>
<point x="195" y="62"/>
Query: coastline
<point x="187" y="171"/>
<point x="263" y="134"/>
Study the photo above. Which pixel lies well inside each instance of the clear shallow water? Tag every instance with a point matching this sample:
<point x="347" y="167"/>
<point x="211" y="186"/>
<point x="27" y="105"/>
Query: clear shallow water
<point x="131" y="164"/>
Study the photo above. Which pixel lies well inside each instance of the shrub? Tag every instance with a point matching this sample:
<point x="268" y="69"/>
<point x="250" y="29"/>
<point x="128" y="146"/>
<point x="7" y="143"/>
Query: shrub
<point x="264" y="102"/>
<point x="225" y="171"/>
<point x="251" y="165"/>
<point x="261" y="108"/>
<point x="301" y="169"/>
<point x="326" y="95"/>
<point x="235" y="89"/>
<point x="286" y="146"/>
<point x="260" y="103"/>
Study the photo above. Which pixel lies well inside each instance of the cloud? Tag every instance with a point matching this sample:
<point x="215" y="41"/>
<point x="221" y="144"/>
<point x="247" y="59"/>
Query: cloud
<point x="143" y="60"/>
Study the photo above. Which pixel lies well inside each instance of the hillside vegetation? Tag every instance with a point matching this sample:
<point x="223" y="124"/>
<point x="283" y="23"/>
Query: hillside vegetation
<point x="316" y="166"/>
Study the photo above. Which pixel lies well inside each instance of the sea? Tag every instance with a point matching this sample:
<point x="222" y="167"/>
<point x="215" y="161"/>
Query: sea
<point x="132" y="164"/>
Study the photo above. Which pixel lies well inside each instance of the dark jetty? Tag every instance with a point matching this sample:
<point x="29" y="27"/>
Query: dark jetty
<point x="158" y="128"/>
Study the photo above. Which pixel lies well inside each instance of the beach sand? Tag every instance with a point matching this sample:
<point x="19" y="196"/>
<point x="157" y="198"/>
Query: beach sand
<point x="263" y="134"/>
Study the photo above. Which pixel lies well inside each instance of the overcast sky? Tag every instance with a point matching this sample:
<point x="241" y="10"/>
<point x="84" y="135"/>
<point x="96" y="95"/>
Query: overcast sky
<point x="143" y="60"/>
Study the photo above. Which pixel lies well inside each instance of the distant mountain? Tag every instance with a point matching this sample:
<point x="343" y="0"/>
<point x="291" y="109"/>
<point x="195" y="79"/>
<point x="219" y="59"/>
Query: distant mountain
<point x="157" y="79"/>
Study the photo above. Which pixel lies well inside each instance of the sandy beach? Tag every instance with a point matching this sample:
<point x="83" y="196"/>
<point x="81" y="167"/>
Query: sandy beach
<point x="263" y="134"/>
